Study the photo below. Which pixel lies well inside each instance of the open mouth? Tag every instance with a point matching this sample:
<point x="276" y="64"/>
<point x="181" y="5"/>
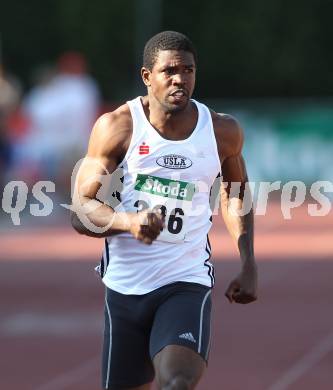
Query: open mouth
<point x="179" y="94"/>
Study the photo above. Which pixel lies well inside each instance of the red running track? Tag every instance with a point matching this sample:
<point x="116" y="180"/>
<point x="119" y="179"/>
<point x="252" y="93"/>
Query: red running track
<point x="51" y="307"/>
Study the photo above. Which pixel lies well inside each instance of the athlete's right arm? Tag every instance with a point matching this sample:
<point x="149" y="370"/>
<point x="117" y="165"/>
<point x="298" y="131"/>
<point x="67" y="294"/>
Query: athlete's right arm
<point x="108" y="144"/>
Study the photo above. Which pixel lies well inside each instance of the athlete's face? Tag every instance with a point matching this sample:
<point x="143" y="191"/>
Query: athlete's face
<point x="171" y="80"/>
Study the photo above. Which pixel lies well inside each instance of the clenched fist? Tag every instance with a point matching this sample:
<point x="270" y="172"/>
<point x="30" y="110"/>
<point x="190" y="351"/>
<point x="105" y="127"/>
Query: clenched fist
<point x="146" y="225"/>
<point x="243" y="289"/>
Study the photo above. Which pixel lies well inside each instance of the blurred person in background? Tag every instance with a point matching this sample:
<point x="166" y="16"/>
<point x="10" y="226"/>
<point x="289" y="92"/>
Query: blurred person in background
<point x="60" y="110"/>
<point x="10" y="93"/>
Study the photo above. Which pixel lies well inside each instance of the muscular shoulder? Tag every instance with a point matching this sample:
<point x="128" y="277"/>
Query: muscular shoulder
<point x="111" y="134"/>
<point x="229" y="135"/>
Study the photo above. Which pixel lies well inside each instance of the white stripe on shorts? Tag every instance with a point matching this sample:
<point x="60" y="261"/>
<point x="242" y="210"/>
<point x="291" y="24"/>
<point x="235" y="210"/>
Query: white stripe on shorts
<point x="110" y="342"/>
<point x="201" y="318"/>
<point x="209" y="340"/>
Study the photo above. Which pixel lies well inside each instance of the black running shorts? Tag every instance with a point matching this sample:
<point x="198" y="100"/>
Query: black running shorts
<point x="137" y="327"/>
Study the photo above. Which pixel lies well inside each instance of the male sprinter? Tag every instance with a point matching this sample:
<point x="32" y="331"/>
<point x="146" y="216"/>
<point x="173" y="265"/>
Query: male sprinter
<point x="158" y="276"/>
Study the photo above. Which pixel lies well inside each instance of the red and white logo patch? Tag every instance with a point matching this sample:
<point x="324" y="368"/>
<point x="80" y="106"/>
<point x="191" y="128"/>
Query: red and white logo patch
<point x="143" y="148"/>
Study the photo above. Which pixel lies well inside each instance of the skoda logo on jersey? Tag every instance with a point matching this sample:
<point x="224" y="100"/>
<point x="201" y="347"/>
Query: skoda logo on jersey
<point x="174" y="161"/>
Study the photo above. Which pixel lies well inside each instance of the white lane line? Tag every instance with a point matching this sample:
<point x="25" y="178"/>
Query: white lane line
<point x="60" y="324"/>
<point x="71" y="377"/>
<point x="309" y="360"/>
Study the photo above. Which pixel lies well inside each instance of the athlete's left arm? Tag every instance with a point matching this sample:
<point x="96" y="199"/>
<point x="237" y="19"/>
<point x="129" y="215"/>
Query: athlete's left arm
<point x="234" y="200"/>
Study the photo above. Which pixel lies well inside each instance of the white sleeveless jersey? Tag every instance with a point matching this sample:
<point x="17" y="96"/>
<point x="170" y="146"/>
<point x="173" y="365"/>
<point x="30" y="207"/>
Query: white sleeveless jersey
<point x="174" y="177"/>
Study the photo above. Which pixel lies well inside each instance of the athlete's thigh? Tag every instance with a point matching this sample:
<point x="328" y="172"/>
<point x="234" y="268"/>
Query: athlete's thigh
<point x="183" y="318"/>
<point x="126" y="359"/>
<point x="180" y="337"/>
<point x="175" y="362"/>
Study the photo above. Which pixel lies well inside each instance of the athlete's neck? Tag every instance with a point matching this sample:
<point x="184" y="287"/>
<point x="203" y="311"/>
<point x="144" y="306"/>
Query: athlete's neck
<point x="176" y="125"/>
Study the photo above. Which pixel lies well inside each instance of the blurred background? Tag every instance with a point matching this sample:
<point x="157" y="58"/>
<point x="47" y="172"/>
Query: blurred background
<point x="64" y="63"/>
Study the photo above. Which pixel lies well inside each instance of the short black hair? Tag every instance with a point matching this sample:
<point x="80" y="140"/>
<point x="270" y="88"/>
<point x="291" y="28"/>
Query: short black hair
<point x="166" y="40"/>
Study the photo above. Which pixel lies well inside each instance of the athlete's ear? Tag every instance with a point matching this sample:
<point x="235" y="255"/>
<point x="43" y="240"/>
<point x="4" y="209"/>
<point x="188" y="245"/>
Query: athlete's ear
<point x="145" y="74"/>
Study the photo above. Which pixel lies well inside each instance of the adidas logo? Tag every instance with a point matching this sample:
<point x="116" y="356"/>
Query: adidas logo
<point x="188" y="336"/>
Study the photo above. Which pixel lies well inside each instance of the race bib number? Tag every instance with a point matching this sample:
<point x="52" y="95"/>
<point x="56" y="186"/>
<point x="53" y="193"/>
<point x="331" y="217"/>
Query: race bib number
<point x="172" y="198"/>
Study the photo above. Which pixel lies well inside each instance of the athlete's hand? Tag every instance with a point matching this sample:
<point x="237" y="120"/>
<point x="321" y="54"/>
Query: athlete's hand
<point x="243" y="289"/>
<point x="147" y="225"/>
